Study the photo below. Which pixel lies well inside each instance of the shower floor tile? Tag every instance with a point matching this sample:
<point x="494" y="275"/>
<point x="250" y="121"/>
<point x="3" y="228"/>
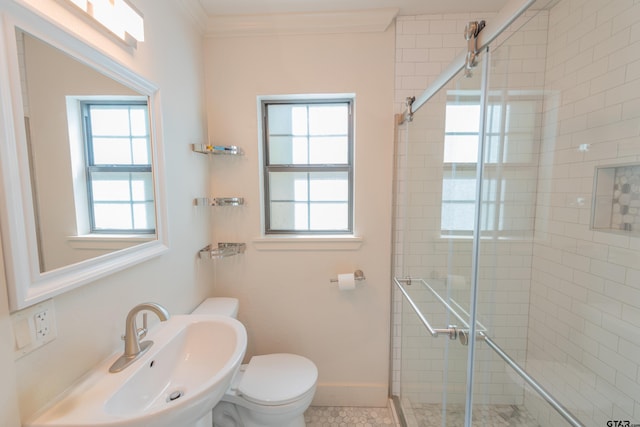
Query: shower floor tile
<point x="341" y="416"/>
<point x="430" y="415"/>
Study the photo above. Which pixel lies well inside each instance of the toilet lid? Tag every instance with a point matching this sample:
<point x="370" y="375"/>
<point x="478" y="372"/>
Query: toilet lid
<point x="277" y="379"/>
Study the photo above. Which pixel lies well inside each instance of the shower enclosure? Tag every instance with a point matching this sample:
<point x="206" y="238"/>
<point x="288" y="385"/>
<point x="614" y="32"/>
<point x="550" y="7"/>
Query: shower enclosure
<point x="517" y="228"/>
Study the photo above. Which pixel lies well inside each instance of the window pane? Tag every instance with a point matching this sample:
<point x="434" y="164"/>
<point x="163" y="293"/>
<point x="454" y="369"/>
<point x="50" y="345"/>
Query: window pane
<point x="141" y="151"/>
<point x="487" y="216"/>
<point x="112" y="216"/>
<point x="492" y="148"/>
<point x="299" y="120"/>
<point x="109" y="121"/>
<point x="329" y="216"/>
<point x="289" y="216"/>
<point x="141" y="187"/>
<point x="144" y="216"/>
<point x="328" y="120"/>
<point x="329" y="186"/>
<point x="107" y="186"/>
<point x="462" y="118"/>
<point x="457" y="216"/>
<point x="461" y="148"/>
<point x="329" y="150"/>
<point x="111" y="151"/>
<point x="138" y="117"/>
<point x="494" y="118"/>
<point x="288" y="186"/>
<point x="287" y="119"/>
<point x="288" y="150"/>
<point x="458" y="189"/>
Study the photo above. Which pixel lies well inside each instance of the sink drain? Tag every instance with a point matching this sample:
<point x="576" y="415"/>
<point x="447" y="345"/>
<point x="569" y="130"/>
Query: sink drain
<point x="175" y="395"/>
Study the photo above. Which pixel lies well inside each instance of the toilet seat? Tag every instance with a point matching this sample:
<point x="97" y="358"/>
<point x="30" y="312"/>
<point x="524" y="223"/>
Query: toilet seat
<point x="277" y="379"/>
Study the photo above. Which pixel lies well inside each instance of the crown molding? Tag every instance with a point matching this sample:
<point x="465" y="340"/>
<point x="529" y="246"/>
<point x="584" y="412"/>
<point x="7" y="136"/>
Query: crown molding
<point x="196" y="13"/>
<point x="362" y="21"/>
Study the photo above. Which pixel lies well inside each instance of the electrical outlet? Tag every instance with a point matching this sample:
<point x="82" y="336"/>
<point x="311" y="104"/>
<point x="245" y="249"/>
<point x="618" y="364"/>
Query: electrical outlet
<point x="42" y="325"/>
<point x="33" y="327"/>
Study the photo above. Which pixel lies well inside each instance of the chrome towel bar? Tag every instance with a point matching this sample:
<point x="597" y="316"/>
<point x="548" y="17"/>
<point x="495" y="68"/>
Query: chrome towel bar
<point x="482" y="336"/>
<point x="451" y="331"/>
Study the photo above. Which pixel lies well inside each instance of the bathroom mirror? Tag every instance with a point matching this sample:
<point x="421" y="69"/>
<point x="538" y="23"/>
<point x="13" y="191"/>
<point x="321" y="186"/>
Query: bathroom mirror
<point x="81" y="163"/>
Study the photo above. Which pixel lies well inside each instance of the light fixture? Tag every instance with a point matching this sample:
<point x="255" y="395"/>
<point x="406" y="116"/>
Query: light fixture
<point x="118" y="16"/>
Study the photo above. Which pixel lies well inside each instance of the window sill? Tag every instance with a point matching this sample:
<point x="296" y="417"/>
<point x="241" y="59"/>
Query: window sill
<point x="307" y="243"/>
<point x="108" y="241"/>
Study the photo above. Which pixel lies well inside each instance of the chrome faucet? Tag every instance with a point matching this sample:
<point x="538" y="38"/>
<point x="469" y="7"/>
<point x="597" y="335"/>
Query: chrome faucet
<point x="133" y="348"/>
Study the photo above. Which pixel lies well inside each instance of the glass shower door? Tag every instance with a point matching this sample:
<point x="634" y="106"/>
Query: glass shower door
<point x="512" y="161"/>
<point x="438" y="167"/>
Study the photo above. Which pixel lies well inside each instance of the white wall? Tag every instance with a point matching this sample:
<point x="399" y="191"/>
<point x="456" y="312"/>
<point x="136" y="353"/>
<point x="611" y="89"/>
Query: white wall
<point x="90" y="320"/>
<point x="287" y="302"/>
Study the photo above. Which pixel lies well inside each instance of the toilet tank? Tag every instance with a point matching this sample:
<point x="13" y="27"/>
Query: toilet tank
<point x="221" y="306"/>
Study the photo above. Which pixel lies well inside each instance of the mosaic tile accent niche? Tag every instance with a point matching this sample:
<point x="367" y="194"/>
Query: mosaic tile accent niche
<point x="616" y="205"/>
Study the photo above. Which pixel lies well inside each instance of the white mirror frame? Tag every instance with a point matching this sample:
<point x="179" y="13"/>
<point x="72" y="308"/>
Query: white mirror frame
<point x="26" y="284"/>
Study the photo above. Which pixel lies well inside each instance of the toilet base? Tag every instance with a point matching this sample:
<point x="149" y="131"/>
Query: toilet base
<point x="251" y="419"/>
<point x="227" y="414"/>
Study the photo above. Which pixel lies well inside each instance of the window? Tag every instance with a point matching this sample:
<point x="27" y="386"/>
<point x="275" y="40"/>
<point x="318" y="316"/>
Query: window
<point x="118" y="167"/>
<point x="308" y="166"/>
<point x="509" y="153"/>
<point x="462" y="126"/>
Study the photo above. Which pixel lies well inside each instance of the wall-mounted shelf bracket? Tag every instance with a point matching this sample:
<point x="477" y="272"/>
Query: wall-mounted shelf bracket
<point x="219" y="201"/>
<point x="223" y="250"/>
<point x="229" y="150"/>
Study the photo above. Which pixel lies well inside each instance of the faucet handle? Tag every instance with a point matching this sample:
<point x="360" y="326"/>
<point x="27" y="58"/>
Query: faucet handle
<point x="140" y="332"/>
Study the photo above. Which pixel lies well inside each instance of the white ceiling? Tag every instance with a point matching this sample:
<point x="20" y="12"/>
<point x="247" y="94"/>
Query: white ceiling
<point x="407" y="7"/>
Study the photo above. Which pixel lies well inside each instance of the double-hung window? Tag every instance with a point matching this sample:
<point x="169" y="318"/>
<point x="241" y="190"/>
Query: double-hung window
<point x="308" y="166"/>
<point x="118" y="167"/>
<point x="509" y="164"/>
<point x="460" y="163"/>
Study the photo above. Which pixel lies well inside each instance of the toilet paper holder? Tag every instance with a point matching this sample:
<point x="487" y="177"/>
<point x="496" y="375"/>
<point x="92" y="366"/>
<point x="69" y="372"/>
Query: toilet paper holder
<point x="357" y="275"/>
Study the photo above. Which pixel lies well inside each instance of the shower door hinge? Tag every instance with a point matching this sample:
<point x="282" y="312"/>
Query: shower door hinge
<point x="471" y="32"/>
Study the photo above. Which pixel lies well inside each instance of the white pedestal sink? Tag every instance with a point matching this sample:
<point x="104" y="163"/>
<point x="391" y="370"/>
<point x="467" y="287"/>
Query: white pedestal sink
<point x="175" y="383"/>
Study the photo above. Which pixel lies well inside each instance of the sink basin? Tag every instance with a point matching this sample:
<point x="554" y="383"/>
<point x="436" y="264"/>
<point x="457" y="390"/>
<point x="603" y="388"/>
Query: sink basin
<point x="175" y="383"/>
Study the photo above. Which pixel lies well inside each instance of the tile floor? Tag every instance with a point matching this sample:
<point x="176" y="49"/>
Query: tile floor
<point x="418" y="415"/>
<point x="340" y="416"/>
<point x="430" y="415"/>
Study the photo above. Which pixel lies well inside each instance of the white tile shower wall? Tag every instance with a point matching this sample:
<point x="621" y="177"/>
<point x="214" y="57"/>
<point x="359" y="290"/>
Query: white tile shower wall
<point x="425" y="46"/>
<point x="584" y="330"/>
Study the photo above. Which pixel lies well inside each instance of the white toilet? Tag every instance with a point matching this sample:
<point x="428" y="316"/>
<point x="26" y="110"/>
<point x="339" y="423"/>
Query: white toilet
<point x="272" y="390"/>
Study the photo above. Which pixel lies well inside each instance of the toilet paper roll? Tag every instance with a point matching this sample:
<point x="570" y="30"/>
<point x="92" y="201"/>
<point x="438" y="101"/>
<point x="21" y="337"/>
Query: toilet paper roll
<point x="346" y="282"/>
